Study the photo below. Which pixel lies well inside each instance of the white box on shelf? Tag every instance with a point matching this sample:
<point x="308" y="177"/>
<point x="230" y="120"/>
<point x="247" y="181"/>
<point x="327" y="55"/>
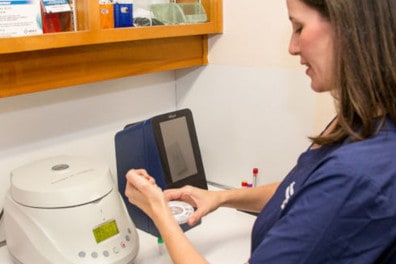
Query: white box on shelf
<point x="20" y="18"/>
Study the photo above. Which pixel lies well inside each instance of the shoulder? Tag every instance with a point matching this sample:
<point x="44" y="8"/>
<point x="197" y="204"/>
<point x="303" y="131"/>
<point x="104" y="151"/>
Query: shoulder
<point x="366" y="159"/>
<point x="352" y="176"/>
<point x="356" y="176"/>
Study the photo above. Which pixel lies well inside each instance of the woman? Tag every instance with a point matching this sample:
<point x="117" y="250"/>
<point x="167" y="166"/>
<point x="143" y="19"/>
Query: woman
<point x="338" y="205"/>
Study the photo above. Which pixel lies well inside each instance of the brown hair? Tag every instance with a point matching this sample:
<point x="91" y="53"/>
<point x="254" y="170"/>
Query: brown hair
<point x="364" y="65"/>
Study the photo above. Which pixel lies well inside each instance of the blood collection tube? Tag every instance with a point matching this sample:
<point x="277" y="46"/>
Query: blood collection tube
<point x="254" y="180"/>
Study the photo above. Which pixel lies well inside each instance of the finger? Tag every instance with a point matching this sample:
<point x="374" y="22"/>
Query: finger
<point x="195" y="217"/>
<point x="143" y="173"/>
<point x="183" y="194"/>
<point x="173" y="194"/>
<point x="134" y="176"/>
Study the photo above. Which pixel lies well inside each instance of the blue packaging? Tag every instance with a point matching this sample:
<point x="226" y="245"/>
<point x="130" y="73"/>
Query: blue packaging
<point x="123" y="15"/>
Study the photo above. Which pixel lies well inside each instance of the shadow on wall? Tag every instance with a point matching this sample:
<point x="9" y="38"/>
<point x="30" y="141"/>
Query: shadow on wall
<point x="39" y="116"/>
<point x="248" y="117"/>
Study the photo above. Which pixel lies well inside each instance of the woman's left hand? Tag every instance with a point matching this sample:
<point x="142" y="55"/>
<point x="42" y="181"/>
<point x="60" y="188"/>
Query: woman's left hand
<point x="143" y="192"/>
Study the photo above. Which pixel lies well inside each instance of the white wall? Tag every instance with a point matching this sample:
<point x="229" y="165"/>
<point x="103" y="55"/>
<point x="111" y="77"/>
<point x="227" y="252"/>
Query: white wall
<point x="253" y="105"/>
<point x="80" y="120"/>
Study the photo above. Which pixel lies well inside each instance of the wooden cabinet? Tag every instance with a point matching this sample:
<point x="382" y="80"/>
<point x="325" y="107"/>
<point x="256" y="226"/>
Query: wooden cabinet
<point x="42" y="62"/>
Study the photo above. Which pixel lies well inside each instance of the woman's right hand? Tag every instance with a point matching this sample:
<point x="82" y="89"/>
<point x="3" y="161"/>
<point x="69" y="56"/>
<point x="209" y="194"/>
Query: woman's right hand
<point x="203" y="200"/>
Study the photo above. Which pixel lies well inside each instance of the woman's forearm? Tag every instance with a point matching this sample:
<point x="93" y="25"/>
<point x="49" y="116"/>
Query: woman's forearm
<point x="179" y="247"/>
<point x="249" y="199"/>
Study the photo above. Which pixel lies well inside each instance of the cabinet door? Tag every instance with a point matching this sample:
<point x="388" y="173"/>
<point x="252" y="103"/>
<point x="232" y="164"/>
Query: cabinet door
<point x="54" y="60"/>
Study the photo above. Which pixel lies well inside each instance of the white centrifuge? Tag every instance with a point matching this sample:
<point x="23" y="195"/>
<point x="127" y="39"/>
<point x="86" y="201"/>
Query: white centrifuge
<point x="65" y="210"/>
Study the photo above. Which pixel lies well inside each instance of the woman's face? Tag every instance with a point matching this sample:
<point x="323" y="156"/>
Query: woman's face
<point x="312" y="40"/>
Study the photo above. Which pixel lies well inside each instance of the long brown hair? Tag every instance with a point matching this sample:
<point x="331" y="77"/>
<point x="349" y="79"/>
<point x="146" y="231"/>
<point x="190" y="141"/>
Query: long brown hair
<point x="364" y="65"/>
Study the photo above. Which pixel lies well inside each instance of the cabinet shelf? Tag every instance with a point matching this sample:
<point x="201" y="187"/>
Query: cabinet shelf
<point x="49" y="61"/>
<point x="81" y="38"/>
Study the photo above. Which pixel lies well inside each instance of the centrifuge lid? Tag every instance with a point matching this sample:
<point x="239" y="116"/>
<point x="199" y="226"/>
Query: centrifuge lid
<point x="61" y="181"/>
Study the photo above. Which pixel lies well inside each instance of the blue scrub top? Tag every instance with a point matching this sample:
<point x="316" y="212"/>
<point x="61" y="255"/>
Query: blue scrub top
<point x="338" y="205"/>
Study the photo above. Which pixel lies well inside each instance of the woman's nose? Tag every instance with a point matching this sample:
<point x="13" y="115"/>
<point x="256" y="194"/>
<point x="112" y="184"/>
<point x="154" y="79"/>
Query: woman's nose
<point x="294" y="48"/>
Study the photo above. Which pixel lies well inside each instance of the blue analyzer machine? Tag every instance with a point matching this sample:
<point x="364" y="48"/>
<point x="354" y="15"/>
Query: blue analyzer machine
<point x="166" y="146"/>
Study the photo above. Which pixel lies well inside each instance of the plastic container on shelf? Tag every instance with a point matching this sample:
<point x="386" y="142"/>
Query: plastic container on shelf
<point x="142" y="13"/>
<point x="194" y="12"/>
<point x="179" y="13"/>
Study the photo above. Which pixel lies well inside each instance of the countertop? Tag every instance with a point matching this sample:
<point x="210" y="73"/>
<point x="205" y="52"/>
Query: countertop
<point x="222" y="237"/>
